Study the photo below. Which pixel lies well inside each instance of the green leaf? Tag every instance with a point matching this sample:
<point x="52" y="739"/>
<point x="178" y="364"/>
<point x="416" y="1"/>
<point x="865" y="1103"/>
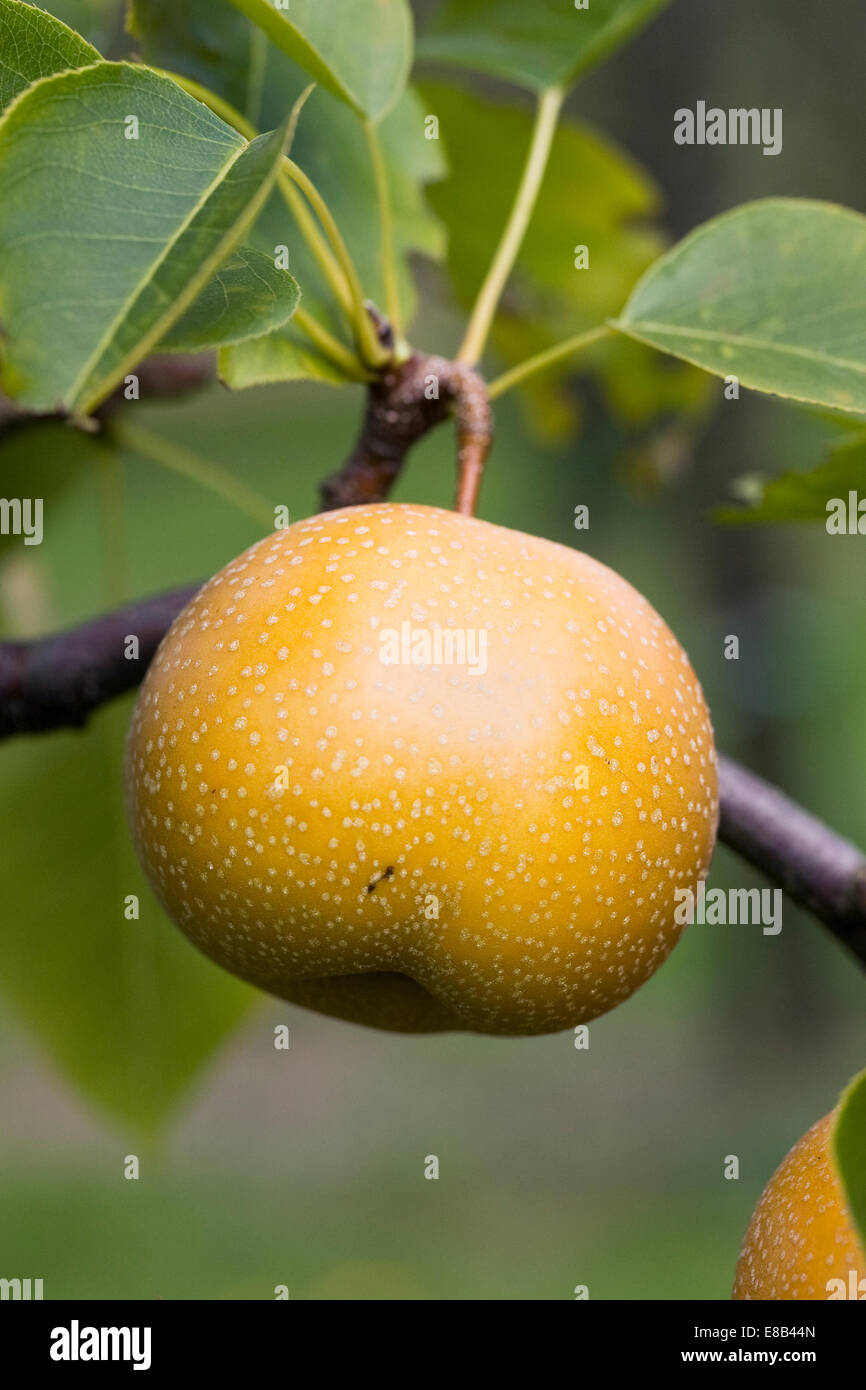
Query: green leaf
<point x="127" y="1009"/>
<point x="361" y="50"/>
<point x="329" y="146"/>
<point x="610" y="208"/>
<point x="849" y="1149"/>
<point x="798" y="496"/>
<point x="543" y="44"/>
<point x="246" y="298"/>
<point x="34" y="44"/>
<point x="773" y="293"/>
<point x="838" y="419"/>
<point x="130" y="230"/>
<point x="278" y="357"/>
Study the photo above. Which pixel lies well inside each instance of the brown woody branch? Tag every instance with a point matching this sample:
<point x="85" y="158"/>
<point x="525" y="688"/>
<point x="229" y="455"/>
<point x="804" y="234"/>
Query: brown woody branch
<point x="814" y="865"/>
<point x="57" y="682"/>
<point x="406" y="402"/>
<point x="163" y="376"/>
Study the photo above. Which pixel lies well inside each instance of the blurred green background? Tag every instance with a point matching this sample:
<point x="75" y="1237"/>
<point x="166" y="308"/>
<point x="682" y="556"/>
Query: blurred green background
<point x="558" y="1167"/>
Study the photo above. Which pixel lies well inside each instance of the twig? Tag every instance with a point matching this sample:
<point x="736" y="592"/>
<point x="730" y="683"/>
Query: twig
<point x="57" y="682"/>
<point x="814" y="865"/>
<point x="473" y="419"/>
<point x="164" y="376"/>
<point x="402" y="405"/>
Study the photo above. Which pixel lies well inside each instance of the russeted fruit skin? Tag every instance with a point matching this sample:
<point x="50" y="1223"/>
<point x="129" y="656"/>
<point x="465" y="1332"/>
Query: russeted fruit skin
<point x="801" y="1235"/>
<point x="409" y="846"/>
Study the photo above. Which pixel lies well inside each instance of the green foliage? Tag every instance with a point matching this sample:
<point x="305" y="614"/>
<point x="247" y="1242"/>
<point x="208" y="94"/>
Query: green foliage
<point x="34" y="44"/>
<point x="849" y="1149"/>
<point x="329" y="146"/>
<point x="361" y="50"/>
<point x="132" y="229"/>
<point x="611" y="208"/>
<point x="128" y="1009"/>
<point x="543" y="44"/>
<point x="246" y="298"/>
<point x="801" y="496"/>
<point x="282" y="356"/>
<point x="771" y="293"/>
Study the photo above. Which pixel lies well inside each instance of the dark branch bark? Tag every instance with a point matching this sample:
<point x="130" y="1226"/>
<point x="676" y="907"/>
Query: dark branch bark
<point x="816" y="867"/>
<point x="56" y="682"/>
<point x="397" y="416"/>
<point x="406" y="402"/>
<point x="163" y="376"/>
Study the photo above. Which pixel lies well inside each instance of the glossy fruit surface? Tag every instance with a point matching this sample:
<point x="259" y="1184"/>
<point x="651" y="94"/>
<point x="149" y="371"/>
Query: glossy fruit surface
<point x="416" y="770"/>
<point x="801" y="1238"/>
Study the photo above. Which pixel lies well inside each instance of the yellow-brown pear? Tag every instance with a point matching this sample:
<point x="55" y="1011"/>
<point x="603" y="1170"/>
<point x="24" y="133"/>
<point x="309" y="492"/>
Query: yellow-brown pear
<point x="419" y="771"/>
<point x="801" y="1242"/>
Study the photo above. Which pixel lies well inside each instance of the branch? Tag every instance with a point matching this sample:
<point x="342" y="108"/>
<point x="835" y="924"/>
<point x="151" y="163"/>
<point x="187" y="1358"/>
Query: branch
<point x="396" y="417"/>
<point x="404" y="403"/>
<point x="164" y="375"/>
<point x="815" y="866"/>
<point x="57" y="682"/>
